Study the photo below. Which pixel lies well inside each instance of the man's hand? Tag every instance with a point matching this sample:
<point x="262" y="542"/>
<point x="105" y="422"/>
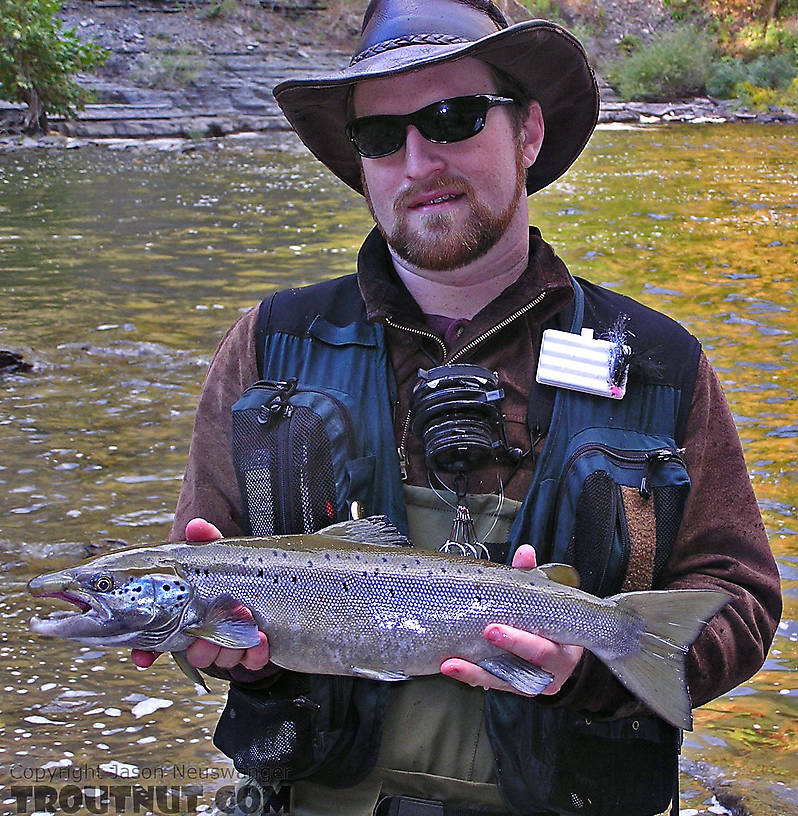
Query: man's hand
<point x="555" y="658"/>
<point x="203" y="653"/>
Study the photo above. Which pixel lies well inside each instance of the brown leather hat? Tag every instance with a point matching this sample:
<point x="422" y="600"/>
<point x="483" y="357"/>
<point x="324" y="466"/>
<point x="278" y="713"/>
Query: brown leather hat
<point x="402" y="35"/>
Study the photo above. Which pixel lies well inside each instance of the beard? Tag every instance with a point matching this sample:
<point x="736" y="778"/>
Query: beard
<point x="441" y="246"/>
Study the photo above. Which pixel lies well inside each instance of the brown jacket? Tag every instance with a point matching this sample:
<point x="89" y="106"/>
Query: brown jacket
<point x="721" y="544"/>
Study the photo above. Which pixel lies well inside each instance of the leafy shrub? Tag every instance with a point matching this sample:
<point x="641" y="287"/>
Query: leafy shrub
<point x="677" y="64"/>
<point x="764" y="73"/>
<point x="777" y="37"/>
<point x="725" y="75"/>
<point x="170" y="69"/>
<point x="764" y="98"/>
<point x="771" y="72"/>
<point x="38" y="60"/>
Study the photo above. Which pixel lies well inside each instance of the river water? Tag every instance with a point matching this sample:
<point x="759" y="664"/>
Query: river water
<point x="120" y="271"/>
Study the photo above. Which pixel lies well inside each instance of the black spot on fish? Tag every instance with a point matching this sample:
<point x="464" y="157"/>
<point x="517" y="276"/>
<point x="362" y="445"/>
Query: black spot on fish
<point x="346" y="588"/>
<point x="260" y="573"/>
<point x="327" y="557"/>
<point x="166" y="587"/>
<point x="293" y="579"/>
<point x="392" y="593"/>
<point x="245" y="558"/>
<point x="384" y="560"/>
<point x="276" y="579"/>
<point x="206" y="572"/>
<point x="310" y="563"/>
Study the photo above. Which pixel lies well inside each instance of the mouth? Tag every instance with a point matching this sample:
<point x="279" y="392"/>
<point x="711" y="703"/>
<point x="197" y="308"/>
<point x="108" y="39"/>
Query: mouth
<point x="62" y="622"/>
<point x="433" y="201"/>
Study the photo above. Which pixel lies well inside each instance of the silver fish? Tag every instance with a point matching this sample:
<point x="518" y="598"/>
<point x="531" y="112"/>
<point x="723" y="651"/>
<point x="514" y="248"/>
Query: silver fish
<point x="332" y="604"/>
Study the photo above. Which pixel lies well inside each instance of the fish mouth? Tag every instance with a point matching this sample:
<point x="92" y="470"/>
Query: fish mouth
<point x="89" y="613"/>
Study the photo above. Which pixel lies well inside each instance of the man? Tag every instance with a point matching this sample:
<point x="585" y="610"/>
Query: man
<point x="446" y="120"/>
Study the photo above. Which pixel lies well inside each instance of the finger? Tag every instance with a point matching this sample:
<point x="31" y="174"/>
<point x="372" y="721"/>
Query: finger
<point x="557" y="659"/>
<point x="525" y="557"/>
<point x="256" y="657"/>
<point x="200" y="530"/>
<point x="475" y="676"/>
<point x="202" y="653"/>
<point x="227" y="658"/>
<point x="144" y="659"/>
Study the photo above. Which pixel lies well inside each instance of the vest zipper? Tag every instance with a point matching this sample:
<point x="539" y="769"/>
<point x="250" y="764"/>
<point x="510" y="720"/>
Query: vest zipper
<point x="649" y="460"/>
<point x="466" y="349"/>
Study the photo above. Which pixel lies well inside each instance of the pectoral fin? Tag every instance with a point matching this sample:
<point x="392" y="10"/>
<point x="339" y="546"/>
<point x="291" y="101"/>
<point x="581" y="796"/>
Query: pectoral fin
<point x="227" y="623"/>
<point x="518" y="673"/>
<point x="190" y="671"/>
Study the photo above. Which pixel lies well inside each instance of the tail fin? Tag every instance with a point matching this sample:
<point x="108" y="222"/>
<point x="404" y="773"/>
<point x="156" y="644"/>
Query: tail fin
<point x="655" y="673"/>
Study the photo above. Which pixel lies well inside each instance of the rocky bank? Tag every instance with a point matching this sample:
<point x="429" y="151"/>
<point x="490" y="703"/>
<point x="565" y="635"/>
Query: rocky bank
<point x="190" y="69"/>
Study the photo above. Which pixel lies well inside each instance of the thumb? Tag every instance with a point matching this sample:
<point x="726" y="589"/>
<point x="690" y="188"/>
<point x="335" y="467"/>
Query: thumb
<point x="200" y="530"/>
<point x="525" y="557"/>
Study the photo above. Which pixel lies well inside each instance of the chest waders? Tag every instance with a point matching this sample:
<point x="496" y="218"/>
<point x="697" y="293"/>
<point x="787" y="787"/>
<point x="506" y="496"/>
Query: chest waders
<point x="607" y="496"/>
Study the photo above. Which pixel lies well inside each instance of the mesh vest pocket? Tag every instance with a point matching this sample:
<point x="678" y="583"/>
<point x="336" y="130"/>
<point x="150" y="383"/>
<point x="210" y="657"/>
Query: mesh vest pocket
<point x="291" y="447"/>
<point x="618" y="512"/>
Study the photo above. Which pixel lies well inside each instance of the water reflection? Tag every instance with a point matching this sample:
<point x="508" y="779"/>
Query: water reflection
<point x="120" y="273"/>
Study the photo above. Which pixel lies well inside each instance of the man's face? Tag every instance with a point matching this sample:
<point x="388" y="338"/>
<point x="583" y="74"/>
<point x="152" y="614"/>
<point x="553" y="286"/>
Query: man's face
<point x="441" y="206"/>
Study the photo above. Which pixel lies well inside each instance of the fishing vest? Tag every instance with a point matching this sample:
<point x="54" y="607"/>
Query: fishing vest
<point x="607" y="496"/>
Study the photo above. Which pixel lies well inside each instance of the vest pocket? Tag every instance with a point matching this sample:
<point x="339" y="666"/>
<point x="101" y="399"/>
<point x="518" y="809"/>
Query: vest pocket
<point x="293" y="451"/>
<point x="618" y="509"/>
<point x="569" y="764"/>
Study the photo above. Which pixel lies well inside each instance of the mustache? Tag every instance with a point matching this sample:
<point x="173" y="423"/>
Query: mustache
<point x="451" y="183"/>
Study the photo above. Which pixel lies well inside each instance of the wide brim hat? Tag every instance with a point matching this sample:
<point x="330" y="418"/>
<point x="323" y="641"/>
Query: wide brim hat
<point x="544" y="59"/>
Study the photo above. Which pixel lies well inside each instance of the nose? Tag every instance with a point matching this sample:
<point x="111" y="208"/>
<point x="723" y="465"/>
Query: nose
<point x="422" y="157"/>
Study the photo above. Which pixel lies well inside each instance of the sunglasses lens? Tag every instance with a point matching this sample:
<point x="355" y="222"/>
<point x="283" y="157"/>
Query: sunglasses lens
<point x="376" y="136"/>
<point x="452" y="120"/>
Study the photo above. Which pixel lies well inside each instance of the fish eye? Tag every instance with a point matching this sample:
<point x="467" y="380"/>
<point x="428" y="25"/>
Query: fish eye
<point x="103" y="583"/>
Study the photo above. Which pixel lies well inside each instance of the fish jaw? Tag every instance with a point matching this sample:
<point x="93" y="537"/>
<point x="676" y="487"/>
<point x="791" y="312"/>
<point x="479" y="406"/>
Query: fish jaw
<point x="88" y="620"/>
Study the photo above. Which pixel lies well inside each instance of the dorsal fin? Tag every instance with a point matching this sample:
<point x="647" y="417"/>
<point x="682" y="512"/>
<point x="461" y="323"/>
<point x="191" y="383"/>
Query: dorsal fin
<point x="561" y="574"/>
<point x="372" y="530"/>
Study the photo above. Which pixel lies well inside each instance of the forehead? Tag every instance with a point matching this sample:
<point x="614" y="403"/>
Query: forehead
<point x="411" y="90"/>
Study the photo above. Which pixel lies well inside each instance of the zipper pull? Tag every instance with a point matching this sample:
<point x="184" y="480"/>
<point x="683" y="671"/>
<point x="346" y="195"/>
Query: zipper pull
<point x="653" y="460"/>
<point x="402" y="462"/>
<point x="278" y="403"/>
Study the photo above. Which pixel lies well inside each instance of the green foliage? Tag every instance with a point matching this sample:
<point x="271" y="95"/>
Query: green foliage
<point x="724" y="77"/>
<point x="777" y="37"/>
<point x="38" y="60"/>
<point x="676" y="64"/>
<point x="764" y="73"/>
<point x="221" y="8"/>
<point x="683" y="10"/>
<point x="759" y="98"/>
<point x="170" y="69"/>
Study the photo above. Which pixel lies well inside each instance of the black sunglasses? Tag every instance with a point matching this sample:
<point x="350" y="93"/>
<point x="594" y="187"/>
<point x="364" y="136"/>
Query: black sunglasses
<point x="450" y="120"/>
